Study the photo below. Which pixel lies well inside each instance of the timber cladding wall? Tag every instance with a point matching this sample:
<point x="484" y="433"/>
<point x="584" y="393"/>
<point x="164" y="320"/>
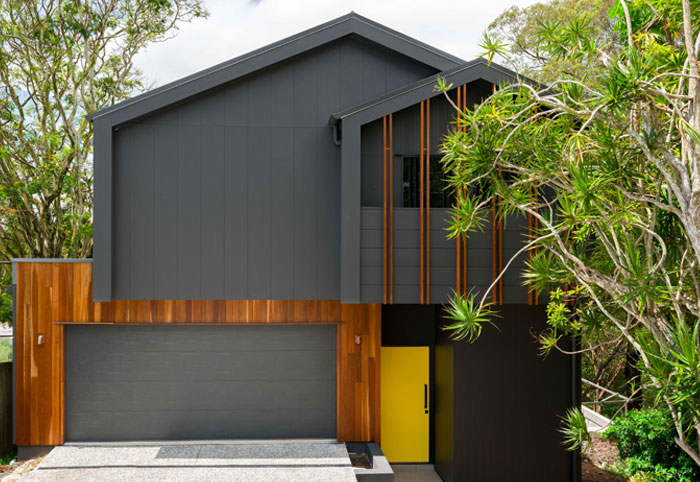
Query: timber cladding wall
<point x="50" y="294"/>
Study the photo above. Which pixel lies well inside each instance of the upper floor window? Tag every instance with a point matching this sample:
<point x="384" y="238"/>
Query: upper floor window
<point x="440" y="194"/>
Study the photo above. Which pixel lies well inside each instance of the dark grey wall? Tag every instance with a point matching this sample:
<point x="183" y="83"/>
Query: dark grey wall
<point x="506" y="405"/>
<point x="443" y="407"/>
<point x="408" y="325"/>
<point x="236" y="194"/>
<point x="514" y="237"/>
<point x="407" y="257"/>
<point x="442" y="257"/>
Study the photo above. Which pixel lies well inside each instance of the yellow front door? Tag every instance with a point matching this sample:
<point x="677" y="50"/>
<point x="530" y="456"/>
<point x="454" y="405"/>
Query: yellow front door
<point x="405" y="389"/>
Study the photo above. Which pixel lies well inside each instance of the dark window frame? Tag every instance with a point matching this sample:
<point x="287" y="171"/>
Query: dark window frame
<point x="441" y="196"/>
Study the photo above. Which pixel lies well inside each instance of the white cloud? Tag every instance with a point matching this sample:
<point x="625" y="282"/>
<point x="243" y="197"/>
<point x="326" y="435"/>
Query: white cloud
<point x="235" y="27"/>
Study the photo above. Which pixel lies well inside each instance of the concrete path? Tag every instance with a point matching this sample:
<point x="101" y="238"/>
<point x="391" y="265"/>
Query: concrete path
<point x="415" y="473"/>
<point x="197" y="462"/>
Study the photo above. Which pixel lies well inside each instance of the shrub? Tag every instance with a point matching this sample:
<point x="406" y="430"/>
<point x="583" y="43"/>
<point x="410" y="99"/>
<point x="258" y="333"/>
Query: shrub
<point x="5" y="459"/>
<point x="5" y="306"/>
<point x="5" y="350"/>
<point x="645" y="439"/>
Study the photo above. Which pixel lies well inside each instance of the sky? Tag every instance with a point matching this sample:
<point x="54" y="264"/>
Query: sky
<point x="235" y="27"/>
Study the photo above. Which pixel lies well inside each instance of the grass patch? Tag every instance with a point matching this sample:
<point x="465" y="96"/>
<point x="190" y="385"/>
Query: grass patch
<point x="5" y="350"/>
<point x="6" y="459"/>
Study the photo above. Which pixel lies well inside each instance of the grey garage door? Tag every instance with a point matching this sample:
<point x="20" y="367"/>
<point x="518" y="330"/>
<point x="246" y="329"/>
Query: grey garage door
<point x="200" y="382"/>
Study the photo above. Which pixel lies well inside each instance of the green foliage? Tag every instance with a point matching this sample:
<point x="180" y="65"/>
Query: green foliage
<point x="641" y="477"/>
<point x="5" y="308"/>
<point x="606" y="161"/>
<point x="678" y="364"/>
<point x="5" y="350"/>
<point x="5" y="459"/>
<point x="492" y="47"/>
<point x="645" y="439"/>
<point x="519" y="32"/>
<point x="58" y="62"/>
<point x="469" y="317"/>
<point x="640" y="470"/>
<point x="574" y="429"/>
<point x="559" y="320"/>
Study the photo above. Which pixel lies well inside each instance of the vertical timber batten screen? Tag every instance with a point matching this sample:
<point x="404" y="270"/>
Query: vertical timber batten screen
<point x="496" y="243"/>
<point x="461" y="241"/>
<point x="424" y="204"/>
<point x="427" y="202"/>
<point x="421" y="198"/>
<point x="388" y="209"/>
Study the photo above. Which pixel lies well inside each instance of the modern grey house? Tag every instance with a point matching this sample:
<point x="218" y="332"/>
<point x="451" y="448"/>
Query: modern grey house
<point x="271" y="262"/>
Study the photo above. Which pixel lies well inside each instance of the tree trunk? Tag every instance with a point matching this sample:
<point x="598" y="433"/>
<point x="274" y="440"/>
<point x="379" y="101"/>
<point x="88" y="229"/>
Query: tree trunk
<point x="632" y="374"/>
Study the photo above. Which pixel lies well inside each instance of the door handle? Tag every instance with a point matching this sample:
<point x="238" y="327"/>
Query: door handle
<point x="425" y="397"/>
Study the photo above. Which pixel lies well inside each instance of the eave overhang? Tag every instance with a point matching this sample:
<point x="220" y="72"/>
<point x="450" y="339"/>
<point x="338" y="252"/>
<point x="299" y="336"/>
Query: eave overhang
<point x="423" y="89"/>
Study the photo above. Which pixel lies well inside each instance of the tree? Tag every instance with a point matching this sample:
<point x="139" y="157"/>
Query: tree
<point x="519" y="29"/>
<point x="610" y="364"/>
<point x="59" y="60"/>
<point x="607" y="161"/>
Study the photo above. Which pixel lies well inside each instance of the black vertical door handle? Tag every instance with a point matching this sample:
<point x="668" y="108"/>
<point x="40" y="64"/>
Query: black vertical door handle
<point x="425" y="397"/>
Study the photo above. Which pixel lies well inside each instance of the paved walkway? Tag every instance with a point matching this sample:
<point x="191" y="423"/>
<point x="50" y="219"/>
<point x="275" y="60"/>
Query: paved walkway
<point x="196" y="462"/>
<point x="415" y="473"/>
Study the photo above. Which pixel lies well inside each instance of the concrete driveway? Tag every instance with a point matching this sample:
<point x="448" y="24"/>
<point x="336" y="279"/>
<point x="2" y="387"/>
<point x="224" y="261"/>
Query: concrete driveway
<point x="285" y="461"/>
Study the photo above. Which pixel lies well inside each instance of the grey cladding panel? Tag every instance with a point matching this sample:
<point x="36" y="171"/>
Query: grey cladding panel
<point x="305" y="213"/>
<point x="142" y="210"/>
<point x="372" y="165"/>
<point x="281" y="216"/>
<point x="442" y="258"/>
<point x="235" y="254"/>
<point x="258" y="227"/>
<point x="200" y="382"/>
<point x="374" y="74"/>
<point x="236" y="193"/>
<point x="352" y="73"/>
<point x="406" y="256"/>
<point x="189" y="204"/>
<point x="165" y="206"/>
<point x="213" y="210"/>
<point x="121" y="243"/>
<point x="104" y="149"/>
<point x="328" y="231"/>
<point x="514" y="238"/>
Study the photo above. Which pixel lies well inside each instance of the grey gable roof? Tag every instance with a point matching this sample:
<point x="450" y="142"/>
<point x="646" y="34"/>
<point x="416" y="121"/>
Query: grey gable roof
<point x="350" y="24"/>
<point x="423" y="89"/>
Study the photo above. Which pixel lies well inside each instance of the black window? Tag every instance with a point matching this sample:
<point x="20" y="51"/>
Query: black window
<point x="440" y="193"/>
